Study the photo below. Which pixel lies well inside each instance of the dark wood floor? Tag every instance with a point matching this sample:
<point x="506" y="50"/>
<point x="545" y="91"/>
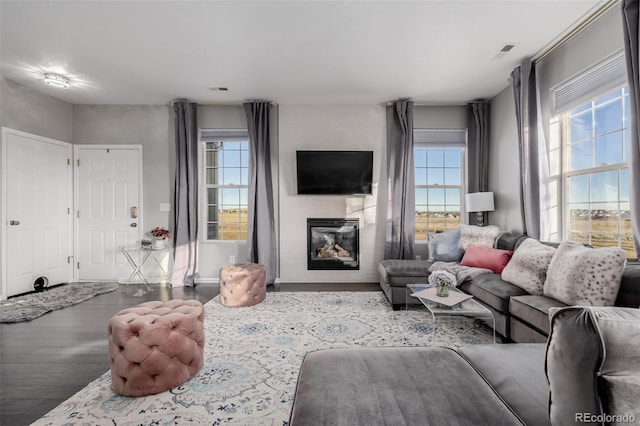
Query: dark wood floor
<point x="45" y="361"/>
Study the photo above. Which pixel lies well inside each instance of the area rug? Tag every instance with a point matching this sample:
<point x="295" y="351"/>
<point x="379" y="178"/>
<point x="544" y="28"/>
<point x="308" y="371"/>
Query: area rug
<point x="253" y="355"/>
<point x="33" y="305"/>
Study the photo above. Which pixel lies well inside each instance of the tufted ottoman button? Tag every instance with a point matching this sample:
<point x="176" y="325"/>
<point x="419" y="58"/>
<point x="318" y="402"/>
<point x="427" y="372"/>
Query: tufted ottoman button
<point x="243" y="284"/>
<point x="156" y="346"/>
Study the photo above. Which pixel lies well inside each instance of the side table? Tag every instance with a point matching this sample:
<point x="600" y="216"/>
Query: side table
<point x="468" y="308"/>
<point x="143" y="254"/>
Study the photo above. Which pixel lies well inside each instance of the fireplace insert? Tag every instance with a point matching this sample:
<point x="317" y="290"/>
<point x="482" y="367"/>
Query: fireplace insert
<point x="333" y="244"/>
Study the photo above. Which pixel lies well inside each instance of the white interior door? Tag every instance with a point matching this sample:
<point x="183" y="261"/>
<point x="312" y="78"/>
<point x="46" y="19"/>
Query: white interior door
<point x="37" y="197"/>
<point x="108" y="209"/>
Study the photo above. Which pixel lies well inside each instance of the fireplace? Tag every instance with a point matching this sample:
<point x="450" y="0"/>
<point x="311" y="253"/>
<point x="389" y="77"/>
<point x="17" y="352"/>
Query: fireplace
<point x="332" y="244"/>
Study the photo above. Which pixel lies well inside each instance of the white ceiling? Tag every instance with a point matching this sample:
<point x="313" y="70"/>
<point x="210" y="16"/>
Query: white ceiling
<point x="291" y="52"/>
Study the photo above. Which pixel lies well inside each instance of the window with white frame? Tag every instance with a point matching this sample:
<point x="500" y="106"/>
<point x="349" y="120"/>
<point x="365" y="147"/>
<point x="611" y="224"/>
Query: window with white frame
<point x="226" y="184"/>
<point x="439" y="167"/>
<point x="595" y="171"/>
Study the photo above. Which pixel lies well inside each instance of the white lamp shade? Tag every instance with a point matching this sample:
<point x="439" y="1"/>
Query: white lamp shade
<point x="480" y="202"/>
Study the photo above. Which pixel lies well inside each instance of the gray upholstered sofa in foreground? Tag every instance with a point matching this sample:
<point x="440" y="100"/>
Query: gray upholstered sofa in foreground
<point x="519" y="316"/>
<point x="589" y="372"/>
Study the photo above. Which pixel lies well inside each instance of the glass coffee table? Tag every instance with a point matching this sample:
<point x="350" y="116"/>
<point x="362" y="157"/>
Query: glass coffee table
<point x="468" y="308"/>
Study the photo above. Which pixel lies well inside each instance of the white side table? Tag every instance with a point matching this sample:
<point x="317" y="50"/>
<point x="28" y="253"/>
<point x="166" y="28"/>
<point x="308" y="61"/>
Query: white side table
<point x="143" y="254"/>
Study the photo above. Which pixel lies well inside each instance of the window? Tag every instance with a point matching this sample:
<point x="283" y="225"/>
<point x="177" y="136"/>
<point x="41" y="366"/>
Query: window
<point x="595" y="141"/>
<point x="226" y="177"/>
<point x="439" y="178"/>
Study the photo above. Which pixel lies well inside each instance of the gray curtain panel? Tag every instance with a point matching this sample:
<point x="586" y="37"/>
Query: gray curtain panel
<point x="630" y="17"/>
<point x="478" y="152"/>
<point x="523" y="83"/>
<point x="185" y="197"/>
<point x="261" y="237"/>
<point x="400" y="230"/>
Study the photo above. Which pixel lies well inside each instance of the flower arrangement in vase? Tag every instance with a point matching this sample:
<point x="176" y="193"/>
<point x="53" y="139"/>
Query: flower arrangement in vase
<point x="161" y="235"/>
<point x="443" y="281"/>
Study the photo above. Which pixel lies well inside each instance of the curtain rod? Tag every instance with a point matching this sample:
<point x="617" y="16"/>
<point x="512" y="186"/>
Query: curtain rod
<point x="273" y="103"/>
<point x="562" y="39"/>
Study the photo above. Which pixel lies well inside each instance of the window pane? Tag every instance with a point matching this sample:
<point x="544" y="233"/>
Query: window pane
<point x="435" y="158"/>
<point x="624" y="184"/>
<point x="212" y="231"/>
<point x="230" y="196"/>
<point x="231" y="176"/>
<point x="212" y="213"/>
<point x="421" y="196"/>
<point x="627" y="111"/>
<point x="452" y="158"/>
<point x="608" y="97"/>
<point x="581" y="155"/>
<point x="436" y="196"/>
<point x="213" y="176"/>
<point x="608" y="149"/>
<point x="627" y="145"/>
<point x="244" y="197"/>
<point x="244" y="159"/>
<point x="580" y="127"/>
<point x="231" y="159"/>
<point x="604" y="187"/>
<point x="420" y="157"/>
<point x="452" y="196"/>
<point x="421" y="175"/>
<point x="452" y="176"/>
<point x="435" y="176"/>
<point x="212" y="195"/>
<point x="578" y="189"/>
<point x="212" y="158"/>
<point x="608" y="117"/>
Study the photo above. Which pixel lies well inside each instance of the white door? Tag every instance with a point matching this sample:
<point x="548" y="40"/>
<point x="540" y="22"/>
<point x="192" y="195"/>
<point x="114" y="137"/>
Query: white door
<point x="108" y="209"/>
<point x="37" y="193"/>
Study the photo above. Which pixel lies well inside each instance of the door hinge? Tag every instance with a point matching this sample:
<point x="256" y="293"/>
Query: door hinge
<point x="68" y="161"/>
<point x="78" y="213"/>
<point x="78" y="162"/>
<point x="78" y="266"/>
<point x="68" y="210"/>
<point x="69" y="259"/>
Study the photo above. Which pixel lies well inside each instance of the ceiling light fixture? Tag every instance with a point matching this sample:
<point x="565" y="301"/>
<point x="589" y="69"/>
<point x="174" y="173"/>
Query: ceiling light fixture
<point x="56" y="80"/>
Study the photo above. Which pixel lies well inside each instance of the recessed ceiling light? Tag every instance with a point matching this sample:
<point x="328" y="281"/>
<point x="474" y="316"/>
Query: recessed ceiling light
<point x="56" y="80"/>
<point x="507" y="47"/>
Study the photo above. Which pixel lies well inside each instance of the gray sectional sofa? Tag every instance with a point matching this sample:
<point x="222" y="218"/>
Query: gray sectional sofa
<point x="519" y="316"/>
<point x="587" y="373"/>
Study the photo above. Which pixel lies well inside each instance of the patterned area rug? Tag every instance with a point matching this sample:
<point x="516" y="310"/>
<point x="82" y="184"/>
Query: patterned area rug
<point x="253" y="355"/>
<point x="33" y="305"/>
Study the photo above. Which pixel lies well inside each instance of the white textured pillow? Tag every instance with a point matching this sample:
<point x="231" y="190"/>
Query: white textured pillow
<point x="484" y="236"/>
<point x="528" y="266"/>
<point x="584" y="276"/>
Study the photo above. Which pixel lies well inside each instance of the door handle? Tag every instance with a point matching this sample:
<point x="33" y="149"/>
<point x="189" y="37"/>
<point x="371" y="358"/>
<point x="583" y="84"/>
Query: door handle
<point x="14" y="222"/>
<point x="133" y="225"/>
<point x="134" y="212"/>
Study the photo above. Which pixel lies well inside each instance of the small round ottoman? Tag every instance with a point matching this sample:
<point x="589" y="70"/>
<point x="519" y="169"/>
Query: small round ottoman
<point x="155" y="346"/>
<point x="243" y="284"/>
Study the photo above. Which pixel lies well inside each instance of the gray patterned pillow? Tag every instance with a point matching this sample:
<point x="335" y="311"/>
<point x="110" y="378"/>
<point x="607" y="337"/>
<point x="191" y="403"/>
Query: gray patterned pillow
<point x="484" y="236"/>
<point x="528" y="266"/>
<point x="584" y="276"/>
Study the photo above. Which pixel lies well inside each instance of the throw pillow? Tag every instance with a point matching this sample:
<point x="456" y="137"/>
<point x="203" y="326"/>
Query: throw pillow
<point x="486" y="257"/>
<point x="528" y="266"/>
<point x="580" y="275"/>
<point x="478" y="235"/>
<point x="445" y="246"/>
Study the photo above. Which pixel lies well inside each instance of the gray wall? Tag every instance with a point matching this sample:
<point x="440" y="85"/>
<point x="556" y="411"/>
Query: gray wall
<point x="25" y="109"/>
<point x="504" y="166"/>
<point x="440" y="117"/>
<point x="146" y="125"/>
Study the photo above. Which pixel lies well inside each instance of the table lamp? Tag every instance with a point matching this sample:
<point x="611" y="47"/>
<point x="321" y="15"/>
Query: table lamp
<point x="480" y="202"/>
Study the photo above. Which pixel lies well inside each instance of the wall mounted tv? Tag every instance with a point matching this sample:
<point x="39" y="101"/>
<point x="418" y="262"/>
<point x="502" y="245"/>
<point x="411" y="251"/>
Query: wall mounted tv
<point x="334" y="172"/>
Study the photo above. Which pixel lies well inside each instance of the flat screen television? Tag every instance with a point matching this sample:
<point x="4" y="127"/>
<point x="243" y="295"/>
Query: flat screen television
<point x="334" y="172"/>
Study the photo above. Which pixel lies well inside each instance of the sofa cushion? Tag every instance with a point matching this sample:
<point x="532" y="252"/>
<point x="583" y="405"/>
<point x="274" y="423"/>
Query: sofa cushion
<point x="528" y="267"/>
<point x="516" y="372"/>
<point x="394" y="386"/>
<point x="533" y="310"/>
<point x="580" y="275"/>
<point x="478" y="235"/>
<point x="404" y="271"/>
<point x="486" y="257"/>
<point x="492" y="290"/>
<point x="445" y="246"/>
<point x="591" y="363"/>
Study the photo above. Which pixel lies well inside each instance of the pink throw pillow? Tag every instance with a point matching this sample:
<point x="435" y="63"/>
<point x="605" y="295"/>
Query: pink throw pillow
<point x="486" y="257"/>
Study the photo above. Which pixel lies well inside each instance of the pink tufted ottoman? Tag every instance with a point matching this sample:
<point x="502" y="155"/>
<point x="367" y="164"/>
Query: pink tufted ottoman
<point x="155" y="346"/>
<point x="243" y="284"/>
